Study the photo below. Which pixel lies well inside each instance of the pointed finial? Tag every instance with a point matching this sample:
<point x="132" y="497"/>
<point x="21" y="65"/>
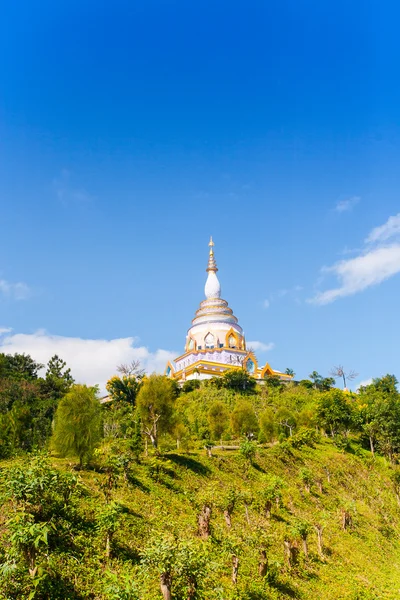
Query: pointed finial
<point x="212" y="265"/>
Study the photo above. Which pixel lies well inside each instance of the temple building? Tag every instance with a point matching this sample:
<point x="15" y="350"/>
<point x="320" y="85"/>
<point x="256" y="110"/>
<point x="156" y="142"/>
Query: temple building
<point x="215" y="342"/>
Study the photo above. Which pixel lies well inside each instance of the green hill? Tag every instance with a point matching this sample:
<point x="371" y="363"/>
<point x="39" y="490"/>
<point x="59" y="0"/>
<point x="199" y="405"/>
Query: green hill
<point x="154" y="506"/>
<point x="221" y="490"/>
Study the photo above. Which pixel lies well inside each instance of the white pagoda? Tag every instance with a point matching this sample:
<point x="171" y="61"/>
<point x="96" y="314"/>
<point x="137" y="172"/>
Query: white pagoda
<point x="215" y="342"/>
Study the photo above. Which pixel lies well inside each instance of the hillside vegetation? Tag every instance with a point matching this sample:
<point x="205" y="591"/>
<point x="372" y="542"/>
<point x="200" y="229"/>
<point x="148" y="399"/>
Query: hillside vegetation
<point x="220" y="491"/>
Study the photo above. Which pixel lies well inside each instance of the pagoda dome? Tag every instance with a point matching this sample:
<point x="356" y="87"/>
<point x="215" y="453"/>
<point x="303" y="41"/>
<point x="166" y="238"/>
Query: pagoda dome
<point x="214" y="324"/>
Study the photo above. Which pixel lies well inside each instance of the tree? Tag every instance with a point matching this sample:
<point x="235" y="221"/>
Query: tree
<point x="58" y="379"/>
<point x="190" y="385"/>
<point x="286" y="421"/>
<point x="155" y="405"/>
<point x="248" y="450"/>
<point x="77" y="429"/>
<point x="379" y="415"/>
<point x="19" y="366"/>
<point x="290" y="372"/>
<point x="334" y="413"/>
<point x="218" y="419"/>
<point x="340" y="372"/>
<point x="239" y="380"/>
<point x="123" y="389"/>
<point x="267" y="425"/>
<point x="244" y="420"/>
<point x="321" y="383"/>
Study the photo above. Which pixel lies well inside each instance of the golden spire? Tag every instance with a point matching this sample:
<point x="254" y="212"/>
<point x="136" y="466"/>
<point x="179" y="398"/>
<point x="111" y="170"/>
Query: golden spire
<point x="212" y="265"/>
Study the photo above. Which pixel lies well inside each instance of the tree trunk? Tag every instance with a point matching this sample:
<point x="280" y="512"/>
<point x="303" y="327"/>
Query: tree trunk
<point x="305" y="546"/>
<point x="319" y="529"/>
<point x="208" y="450"/>
<point x="165" y="585"/>
<point x="371" y="445"/>
<point x="178" y="443"/>
<point x="235" y="569"/>
<point x="228" y="519"/>
<point x="328" y="475"/>
<point x="204" y="521"/>
<point x="263" y="564"/>
<point x="108" y="546"/>
<point x="291" y="553"/>
<point x="346" y="520"/>
<point x="319" y="484"/>
<point x="267" y="508"/>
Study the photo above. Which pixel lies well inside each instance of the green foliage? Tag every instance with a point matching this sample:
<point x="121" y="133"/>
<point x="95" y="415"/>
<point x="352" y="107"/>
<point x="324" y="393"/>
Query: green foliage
<point x="155" y="405"/>
<point x="244" y="420"/>
<point x="248" y="450"/>
<point x="77" y="429"/>
<point x="334" y="412"/>
<point x="239" y="380"/>
<point x="218" y="419"/>
<point x="190" y="385"/>
<point x="124" y="389"/>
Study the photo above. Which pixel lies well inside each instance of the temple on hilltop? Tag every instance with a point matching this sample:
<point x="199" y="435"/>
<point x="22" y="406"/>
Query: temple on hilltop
<point x="215" y="342"/>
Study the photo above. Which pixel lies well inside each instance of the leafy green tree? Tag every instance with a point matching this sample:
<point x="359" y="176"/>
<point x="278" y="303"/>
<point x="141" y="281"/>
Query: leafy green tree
<point x="290" y="372"/>
<point x="321" y="383"/>
<point x="267" y="425"/>
<point x="286" y="421"/>
<point x="248" y="450"/>
<point x="123" y="389"/>
<point x="77" y="429"/>
<point x="244" y="420"/>
<point x="273" y="381"/>
<point x="155" y="405"/>
<point x="334" y="412"/>
<point x="19" y="366"/>
<point x="58" y="379"/>
<point x="218" y="419"/>
<point x="270" y="493"/>
<point x="181" y="566"/>
<point x="107" y="523"/>
<point x="239" y="380"/>
<point x="190" y="385"/>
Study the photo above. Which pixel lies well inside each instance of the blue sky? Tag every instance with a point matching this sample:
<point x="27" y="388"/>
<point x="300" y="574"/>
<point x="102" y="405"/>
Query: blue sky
<point x="131" y="131"/>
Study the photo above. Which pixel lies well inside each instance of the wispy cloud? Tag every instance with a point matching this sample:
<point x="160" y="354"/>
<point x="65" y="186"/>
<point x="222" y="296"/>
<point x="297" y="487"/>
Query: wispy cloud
<point x="67" y="192"/>
<point x="347" y="204"/>
<point x="260" y="346"/>
<point x="266" y="304"/>
<point x="386" y="231"/>
<point x="15" y="291"/>
<point x="4" y="330"/>
<point x="91" y="361"/>
<point x="378" y="260"/>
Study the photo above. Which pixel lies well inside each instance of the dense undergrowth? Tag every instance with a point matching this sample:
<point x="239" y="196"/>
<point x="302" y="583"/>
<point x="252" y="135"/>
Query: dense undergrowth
<point x="111" y="531"/>
<point x="221" y="490"/>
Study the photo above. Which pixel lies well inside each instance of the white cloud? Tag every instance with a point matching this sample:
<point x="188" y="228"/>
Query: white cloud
<point x="4" y="330"/>
<point x="386" y="231"/>
<point x="347" y="205"/>
<point x="260" y="346"/>
<point x="91" y="361"/>
<point x="357" y="274"/>
<point x="376" y="262"/>
<point x="266" y="304"/>
<point x="17" y="291"/>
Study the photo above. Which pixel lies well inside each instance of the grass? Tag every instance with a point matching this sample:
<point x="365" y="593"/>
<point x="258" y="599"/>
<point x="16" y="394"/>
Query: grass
<point x="163" y="495"/>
